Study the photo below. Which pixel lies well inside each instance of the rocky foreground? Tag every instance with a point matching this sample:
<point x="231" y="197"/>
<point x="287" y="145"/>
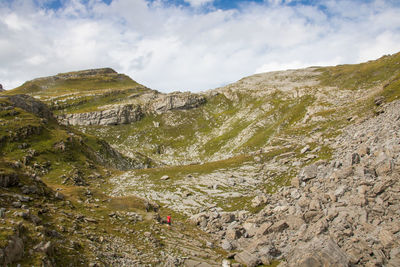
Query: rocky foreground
<point x="343" y="212"/>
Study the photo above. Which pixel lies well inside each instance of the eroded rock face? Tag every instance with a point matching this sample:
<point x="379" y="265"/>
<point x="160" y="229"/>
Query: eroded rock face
<point x="164" y="103"/>
<point x="14" y="251"/>
<point x="114" y="116"/>
<point x="31" y="105"/>
<point x="7" y="180"/>
<point x="320" y="251"/>
<point x="129" y="113"/>
<point x="247" y="259"/>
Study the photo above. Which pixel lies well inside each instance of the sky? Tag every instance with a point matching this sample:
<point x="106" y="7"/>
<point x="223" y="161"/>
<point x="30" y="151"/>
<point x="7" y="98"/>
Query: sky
<point x="190" y="45"/>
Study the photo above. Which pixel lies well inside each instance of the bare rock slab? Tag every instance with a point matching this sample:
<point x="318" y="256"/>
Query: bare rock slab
<point x="320" y="251"/>
<point x="248" y="259"/>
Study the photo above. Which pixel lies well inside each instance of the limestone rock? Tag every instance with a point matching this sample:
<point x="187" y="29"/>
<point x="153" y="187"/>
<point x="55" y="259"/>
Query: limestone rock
<point x="294" y="221"/>
<point x="14" y="250"/>
<point x="164" y="177"/>
<point x="122" y="114"/>
<point x="233" y="234"/>
<point x="31" y="105"/>
<point x="309" y="172"/>
<point x="355" y="158"/>
<point x="295" y="182"/>
<point x="258" y="201"/>
<point x="7" y="180"/>
<point x="386" y="238"/>
<point x="45" y="247"/>
<point x="279" y="226"/>
<point x="248" y="259"/>
<point x="198" y="218"/>
<point x="59" y="196"/>
<point x="305" y="149"/>
<point x="227" y="217"/>
<point x="320" y="251"/>
<point x="173" y="101"/>
<point x="250" y="228"/>
<point x="226" y="245"/>
<point x="129" y="113"/>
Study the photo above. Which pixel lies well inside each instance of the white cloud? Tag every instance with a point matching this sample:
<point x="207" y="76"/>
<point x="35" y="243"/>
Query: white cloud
<point x="197" y="3"/>
<point x="169" y="48"/>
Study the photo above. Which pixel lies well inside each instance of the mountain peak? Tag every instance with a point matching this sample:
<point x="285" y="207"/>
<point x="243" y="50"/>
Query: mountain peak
<point x="88" y="73"/>
<point x="77" y="82"/>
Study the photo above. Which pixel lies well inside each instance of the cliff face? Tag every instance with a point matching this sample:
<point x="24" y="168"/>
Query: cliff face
<point x="129" y="113"/>
<point x="31" y="105"/>
<point x="114" y="116"/>
<point x="175" y="101"/>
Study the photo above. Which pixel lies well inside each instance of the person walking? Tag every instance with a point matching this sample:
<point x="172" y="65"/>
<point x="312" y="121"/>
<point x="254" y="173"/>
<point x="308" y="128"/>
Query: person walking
<point x="169" y="220"/>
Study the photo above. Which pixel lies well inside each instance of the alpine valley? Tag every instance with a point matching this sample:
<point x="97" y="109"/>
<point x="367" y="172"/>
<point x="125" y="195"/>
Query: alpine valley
<point x="288" y="168"/>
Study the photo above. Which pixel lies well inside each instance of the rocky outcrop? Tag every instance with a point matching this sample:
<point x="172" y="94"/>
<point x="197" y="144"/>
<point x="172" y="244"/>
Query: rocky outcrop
<point x="31" y="105"/>
<point x="86" y="73"/>
<point x="8" y="179"/>
<point x="110" y="157"/>
<point x="338" y="213"/>
<point x="320" y="251"/>
<point x="14" y="251"/>
<point x="122" y="114"/>
<point x="46" y="82"/>
<point x="129" y="113"/>
<point x="173" y="101"/>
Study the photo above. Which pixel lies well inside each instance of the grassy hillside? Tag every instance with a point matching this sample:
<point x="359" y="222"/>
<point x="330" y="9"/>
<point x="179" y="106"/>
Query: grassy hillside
<point x="82" y="91"/>
<point x="269" y="112"/>
<point x="253" y="113"/>
<point x="260" y="111"/>
<point x="79" y="81"/>
<point x="52" y="200"/>
<point x="364" y="75"/>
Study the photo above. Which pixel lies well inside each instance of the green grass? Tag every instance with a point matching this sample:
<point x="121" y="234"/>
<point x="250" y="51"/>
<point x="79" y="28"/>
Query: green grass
<point x="203" y="122"/>
<point x="79" y="92"/>
<point x="391" y="90"/>
<point x="43" y="137"/>
<point x="90" y="103"/>
<point x="180" y="171"/>
<point x="286" y="114"/>
<point x="64" y="83"/>
<point x="361" y="76"/>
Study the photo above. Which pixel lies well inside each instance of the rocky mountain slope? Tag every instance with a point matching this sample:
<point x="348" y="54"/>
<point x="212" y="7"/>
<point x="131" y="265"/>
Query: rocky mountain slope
<point x="261" y="111"/>
<point x="53" y="211"/>
<point x="103" y="97"/>
<point x="339" y="213"/>
<point x="291" y="167"/>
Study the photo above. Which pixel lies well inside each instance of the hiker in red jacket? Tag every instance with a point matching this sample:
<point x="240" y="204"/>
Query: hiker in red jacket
<point x="169" y="220"/>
